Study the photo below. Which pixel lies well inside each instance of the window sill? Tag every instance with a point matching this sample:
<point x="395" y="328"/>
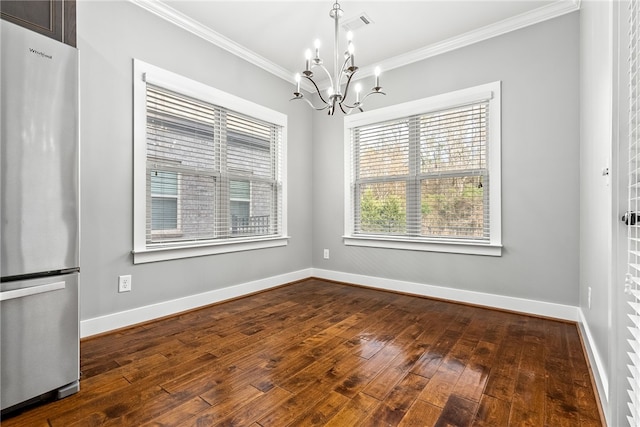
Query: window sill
<point x="165" y="253"/>
<point x="449" y="246"/>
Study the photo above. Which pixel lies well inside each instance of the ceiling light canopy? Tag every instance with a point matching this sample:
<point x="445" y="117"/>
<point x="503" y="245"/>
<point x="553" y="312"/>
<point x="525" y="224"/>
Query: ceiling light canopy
<point x="336" y="98"/>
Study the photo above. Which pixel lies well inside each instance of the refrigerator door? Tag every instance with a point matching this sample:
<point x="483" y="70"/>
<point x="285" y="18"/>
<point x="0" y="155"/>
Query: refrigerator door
<point x="40" y="337"/>
<point x="39" y="154"/>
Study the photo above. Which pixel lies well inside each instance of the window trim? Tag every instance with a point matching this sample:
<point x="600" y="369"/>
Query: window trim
<point x="493" y="247"/>
<point x="144" y="73"/>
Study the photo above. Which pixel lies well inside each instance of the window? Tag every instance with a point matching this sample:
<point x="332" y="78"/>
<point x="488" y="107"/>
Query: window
<point x="210" y="167"/>
<point x="426" y="175"/>
<point x="164" y="202"/>
<point x="240" y="204"/>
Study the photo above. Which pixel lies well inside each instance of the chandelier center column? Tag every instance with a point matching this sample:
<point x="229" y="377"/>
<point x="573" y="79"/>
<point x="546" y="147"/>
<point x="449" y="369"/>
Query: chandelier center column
<point x="336" y="12"/>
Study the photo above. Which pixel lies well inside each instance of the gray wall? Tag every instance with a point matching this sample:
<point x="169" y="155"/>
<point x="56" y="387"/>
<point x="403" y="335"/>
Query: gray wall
<point x="539" y="69"/>
<point x="110" y="34"/>
<point x="538" y="66"/>
<point x="604" y="131"/>
<point x="595" y="154"/>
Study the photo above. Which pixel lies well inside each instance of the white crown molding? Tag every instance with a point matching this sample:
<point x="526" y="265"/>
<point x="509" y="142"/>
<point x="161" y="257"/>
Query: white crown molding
<point x="169" y="14"/>
<point x="505" y="26"/>
<point x="535" y="16"/>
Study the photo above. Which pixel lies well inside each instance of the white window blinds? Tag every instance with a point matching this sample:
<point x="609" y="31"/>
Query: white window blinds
<point x="633" y="276"/>
<point x="424" y="176"/>
<point x="212" y="173"/>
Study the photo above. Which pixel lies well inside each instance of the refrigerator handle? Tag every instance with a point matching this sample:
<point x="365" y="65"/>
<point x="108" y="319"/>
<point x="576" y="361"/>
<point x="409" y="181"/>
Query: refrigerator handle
<point x="32" y="290"/>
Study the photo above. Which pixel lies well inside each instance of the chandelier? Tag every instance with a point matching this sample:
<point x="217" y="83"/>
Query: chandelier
<point x="335" y="97"/>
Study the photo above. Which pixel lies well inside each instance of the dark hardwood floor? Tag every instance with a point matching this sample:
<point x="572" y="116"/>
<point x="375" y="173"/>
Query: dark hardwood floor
<point x="328" y="354"/>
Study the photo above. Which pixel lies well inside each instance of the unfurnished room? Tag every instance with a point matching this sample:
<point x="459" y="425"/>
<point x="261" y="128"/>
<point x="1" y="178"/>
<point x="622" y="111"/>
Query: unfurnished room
<point x="328" y="213"/>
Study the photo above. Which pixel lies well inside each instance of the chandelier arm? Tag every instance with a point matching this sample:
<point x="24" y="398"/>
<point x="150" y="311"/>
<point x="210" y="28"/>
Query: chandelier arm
<point x="346" y="88"/>
<point x="317" y="89"/>
<point x="310" y="103"/>
<point x="359" y="104"/>
<point x="344" y="69"/>
<point x="351" y="107"/>
<point x="332" y="110"/>
<point x="328" y="75"/>
<point x="373" y="92"/>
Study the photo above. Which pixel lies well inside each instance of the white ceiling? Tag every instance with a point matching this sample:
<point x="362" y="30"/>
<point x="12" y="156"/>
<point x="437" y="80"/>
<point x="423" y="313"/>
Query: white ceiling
<point x="275" y="34"/>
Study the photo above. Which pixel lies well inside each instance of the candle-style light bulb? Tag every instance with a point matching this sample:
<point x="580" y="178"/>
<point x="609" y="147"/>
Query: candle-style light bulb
<point x="358" y="90"/>
<point x="297" y="77"/>
<point x="377" y="73"/>
<point x="350" y="50"/>
<point x="316" y="44"/>
<point x="307" y="56"/>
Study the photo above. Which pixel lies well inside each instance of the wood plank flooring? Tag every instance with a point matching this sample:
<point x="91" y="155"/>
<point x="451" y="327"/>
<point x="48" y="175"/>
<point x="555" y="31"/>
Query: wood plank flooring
<point x="317" y="353"/>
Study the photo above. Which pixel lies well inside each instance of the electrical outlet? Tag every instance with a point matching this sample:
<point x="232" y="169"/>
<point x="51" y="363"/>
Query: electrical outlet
<point x="589" y="297"/>
<point x="124" y="283"/>
<point x="326" y="254"/>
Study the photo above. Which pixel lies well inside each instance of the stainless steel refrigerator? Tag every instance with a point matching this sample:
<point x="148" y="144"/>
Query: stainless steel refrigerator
<point x="39" y="209"/>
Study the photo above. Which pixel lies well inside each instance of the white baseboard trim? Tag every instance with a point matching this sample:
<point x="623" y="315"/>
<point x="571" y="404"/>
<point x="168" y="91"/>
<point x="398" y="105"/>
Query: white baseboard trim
<point x="521" y="305"/>
<point x="110" y="322"/>
<point x="597" y="366"/>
